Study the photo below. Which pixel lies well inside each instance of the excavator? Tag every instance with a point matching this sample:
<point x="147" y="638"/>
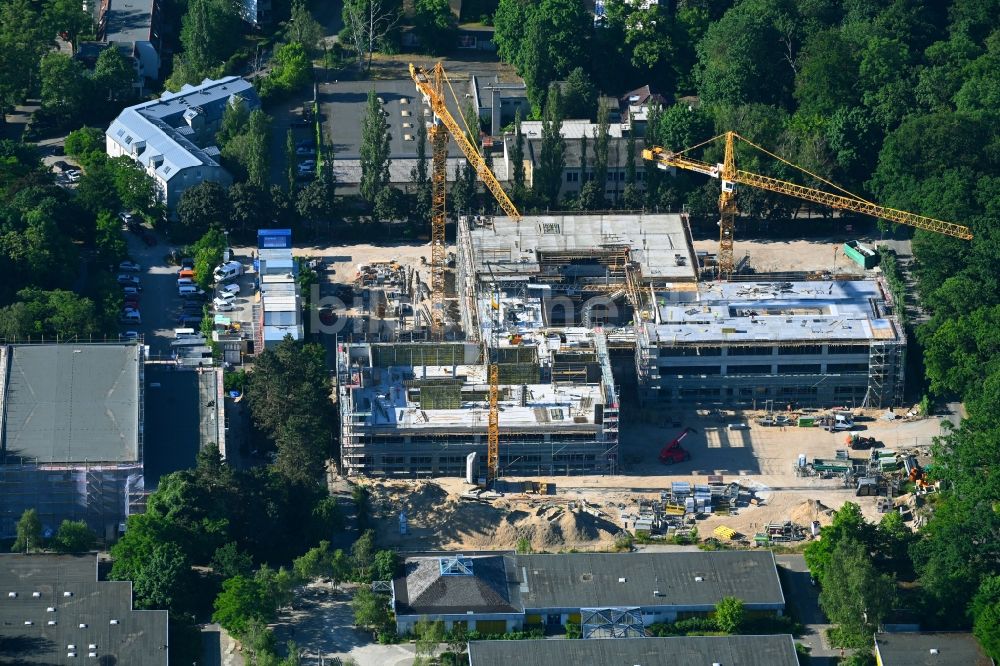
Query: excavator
<point x="731" y="177"/>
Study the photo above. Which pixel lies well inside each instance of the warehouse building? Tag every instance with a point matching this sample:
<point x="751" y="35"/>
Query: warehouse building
<point x="54" y="610"/>
<point x="931" y="648"/>
<point x="421" y="409"/>
<point x="72" y="444"/>
<point x="777" y="650"/>
<point x="608" y="594"/>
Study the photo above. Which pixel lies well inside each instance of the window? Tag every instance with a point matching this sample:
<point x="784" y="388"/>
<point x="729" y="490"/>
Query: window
<point x="572" y="177"/>
<point x="690" y="351"/>
<point x="846" y="367"/>
<point x="799" y="369"/>
<point x="800" y="350"/>
<point x="748" y="370"/>
<point x="847" y="349"/>
<point x="691" y="370"/>
<point x="749" y="351"/>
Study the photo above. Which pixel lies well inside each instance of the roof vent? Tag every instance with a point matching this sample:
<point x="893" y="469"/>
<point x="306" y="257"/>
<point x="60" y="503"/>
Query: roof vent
<point x="656" y="593"/>
<point x="36" y="594"/>
<point x="12" y="595"/>
<point x="622" y="580"/>
<point x="28" y="623"/>
<point x="699" y="579"/>
<point x="67" y="594"/>
<point x="934" y="651"/>
<point x="70" y="646"/>
<point x="51" y="623"/>
<point x="83" y="625"/>
<point x="113" y="622"/>
<point x="50" y="609"/>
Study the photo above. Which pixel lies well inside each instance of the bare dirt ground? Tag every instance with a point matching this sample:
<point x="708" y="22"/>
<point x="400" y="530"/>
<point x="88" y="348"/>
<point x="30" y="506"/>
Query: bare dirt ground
<point x="817" y="254"/>
<point x="588" y="511"/>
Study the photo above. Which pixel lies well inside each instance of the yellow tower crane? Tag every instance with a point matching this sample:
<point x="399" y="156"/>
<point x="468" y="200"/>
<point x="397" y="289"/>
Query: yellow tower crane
<point x="731" y="177"/>
<point x="430" y="84"/>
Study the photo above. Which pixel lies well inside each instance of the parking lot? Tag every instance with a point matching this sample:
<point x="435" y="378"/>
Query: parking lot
<point x="160" y="304"/>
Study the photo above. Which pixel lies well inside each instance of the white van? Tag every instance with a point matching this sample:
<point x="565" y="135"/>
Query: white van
<point x="184" y="281"/>
<point x="228" y="270"/>
<point x="189" y="290"/>
<point x="181" y="333"/>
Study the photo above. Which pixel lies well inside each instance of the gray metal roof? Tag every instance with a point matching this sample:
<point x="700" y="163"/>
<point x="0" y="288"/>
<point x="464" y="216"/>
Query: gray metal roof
<point x="914" y="649"/>
<point x="591" y="580"/>
<point x="161" y="124"/>
<point x="138" y="637"/>
<point x="129" y="20"/>
<point x="71" y="403"/>
<point x="777" y="650"/>
<point x="489" y="586"/>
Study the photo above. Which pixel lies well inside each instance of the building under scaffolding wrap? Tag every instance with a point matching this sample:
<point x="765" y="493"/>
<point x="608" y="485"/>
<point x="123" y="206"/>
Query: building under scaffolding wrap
<point x="72" y="421"/>
<point x="420" y="409"/>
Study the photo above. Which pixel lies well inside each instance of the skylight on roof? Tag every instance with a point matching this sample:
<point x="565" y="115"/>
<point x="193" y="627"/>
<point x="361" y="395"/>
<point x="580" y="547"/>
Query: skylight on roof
<point x="455" y="566"/>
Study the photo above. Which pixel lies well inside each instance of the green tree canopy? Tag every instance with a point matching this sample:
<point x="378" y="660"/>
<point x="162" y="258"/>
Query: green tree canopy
<point x="374" y="149"/>
<point x="29" y="533"/>
<point x="202" y="207"/>
<point x="73" y="536"/>
<point x="729" y="614"/>
<point x="435" y="26"/>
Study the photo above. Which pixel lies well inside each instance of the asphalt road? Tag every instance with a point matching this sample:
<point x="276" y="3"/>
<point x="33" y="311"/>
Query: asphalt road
<point x="804" y="599"/>
<point x="159" y="303"/>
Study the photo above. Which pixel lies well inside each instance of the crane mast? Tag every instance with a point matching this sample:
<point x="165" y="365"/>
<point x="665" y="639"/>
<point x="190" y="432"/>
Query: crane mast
<point x="730" y="177"/>
<point x="431" y="86"/>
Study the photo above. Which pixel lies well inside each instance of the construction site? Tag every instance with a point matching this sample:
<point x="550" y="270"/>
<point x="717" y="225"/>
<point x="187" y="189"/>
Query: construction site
<point x="590" y="352"/>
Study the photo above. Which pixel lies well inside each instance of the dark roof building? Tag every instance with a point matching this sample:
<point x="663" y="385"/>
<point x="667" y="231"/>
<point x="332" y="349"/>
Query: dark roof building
<point x="942" y="648"/>
<point x="498" y="592"/>
<point x="71" y="433"/>
<point x="53" y="610"/>
<point x="459" y="584"/>
<point x="778" y="650"/>
<point x="695" y="579"/>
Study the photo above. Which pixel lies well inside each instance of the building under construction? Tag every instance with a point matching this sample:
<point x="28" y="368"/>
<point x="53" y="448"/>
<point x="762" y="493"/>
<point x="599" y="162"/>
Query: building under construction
<point x="756" y="341"/>
<point x="422" y="409"/>
<point x="72" y="423"/>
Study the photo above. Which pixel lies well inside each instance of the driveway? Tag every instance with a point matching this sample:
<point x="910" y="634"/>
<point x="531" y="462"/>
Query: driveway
<point x="159" y="302"/>
<point x="804" y="600"/>
<point x="322" y="624"/>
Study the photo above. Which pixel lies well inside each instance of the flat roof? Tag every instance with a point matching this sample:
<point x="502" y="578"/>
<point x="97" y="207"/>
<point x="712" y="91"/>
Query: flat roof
<point x="71" y="403"/>
<point x="176" y="401"/>
<point x="385" y="402"/>
<point x="347" y="102"/>
<point x="952" y="648"/>
<point x="595" y="580"/>
<point x="741" y="312"/>
<point x="129" y="20"/>
<point x="776" y="650"/>
<point x="82" y="619"/>
<point x="658" y="243"/>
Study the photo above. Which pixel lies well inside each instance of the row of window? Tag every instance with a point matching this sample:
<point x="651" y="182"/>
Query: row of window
<point x="614" y="176"/>
<point x="801" y="350"/>
<point x="761" y="369"/>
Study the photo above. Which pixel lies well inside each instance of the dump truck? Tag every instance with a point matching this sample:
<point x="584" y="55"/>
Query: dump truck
<point x="674" y="452"/>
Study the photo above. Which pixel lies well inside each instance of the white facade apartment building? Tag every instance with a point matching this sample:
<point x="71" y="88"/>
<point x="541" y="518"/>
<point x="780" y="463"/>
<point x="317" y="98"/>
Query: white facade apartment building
<point x="173" y="137"/>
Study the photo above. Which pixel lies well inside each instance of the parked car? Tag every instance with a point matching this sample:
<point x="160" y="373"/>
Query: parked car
<point x="131" y="290"/>
<point x="231" y="288"/>
<point x="128" y="281"/>
<point x="227" y="270"/>
<point x="189" y="321"/>
<point x="223" y="306"/>
<point x="184" y="281"/>
<point x="185" y="273"/>
<point x="226" y="296"/>
<point x="305" y="150"/>
<point x="126" y="217"/>
<point x="187" y="264"/>
<point x="189" y="291"/>
<point x="305" y="143"/>
<point x="73" y="176"/>
<point x="129" y="266"/>
<point x="130" y="316"/>
<point x="130" y="336"/>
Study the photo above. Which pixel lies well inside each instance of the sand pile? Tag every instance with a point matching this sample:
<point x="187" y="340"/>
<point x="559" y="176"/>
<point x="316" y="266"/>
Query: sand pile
<point x="437" y="519"/>
<point x="810" y="510"/>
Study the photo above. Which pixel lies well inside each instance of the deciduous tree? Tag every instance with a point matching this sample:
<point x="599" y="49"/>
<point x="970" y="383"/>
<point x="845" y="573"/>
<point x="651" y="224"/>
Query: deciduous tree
<point x="374" y="149"/>
<point x="73" y="536"/>
<point x="29" y="533"/>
